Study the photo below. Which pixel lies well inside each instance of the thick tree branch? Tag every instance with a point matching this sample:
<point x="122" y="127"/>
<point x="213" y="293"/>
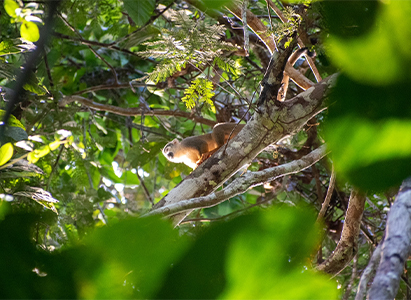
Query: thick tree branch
<point x="134" y="111"/>
<point x="396" y="246"/>
<point x="368" y="273"/>
<point x="347" y="245"/>
<point x="243" y="183"/>
<point x="274" y="121"/>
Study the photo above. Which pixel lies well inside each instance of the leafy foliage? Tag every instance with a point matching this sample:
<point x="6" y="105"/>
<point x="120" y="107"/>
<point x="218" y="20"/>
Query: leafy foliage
<point x="29" y="30"/>
<point x="105" y="268"/>
<point x="74" y="180"/>
<point x="285" y="30"/>
<point x="377" y="124"/>
<point x="201" y="90"/>
<point x="190" y="41"/>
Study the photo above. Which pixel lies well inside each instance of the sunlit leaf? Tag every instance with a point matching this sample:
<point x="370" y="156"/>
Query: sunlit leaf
<point x="6" y="152"/>
<point x="34" y="156"/>
<point x="10" y="6"/>
<point x="54" y="145"/>
<point x="13" y="121"/>
<point x="29" y="31"/>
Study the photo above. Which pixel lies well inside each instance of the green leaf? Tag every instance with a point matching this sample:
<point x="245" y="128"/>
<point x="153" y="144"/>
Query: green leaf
<point x="136" y="269"/>
<point x="201" y="90"/>
<point x="8" y="47"/>
<point x="13" y="121"/>
<point x="16" y="133"/>
<point x="139" y="11"/>
<point x="29" y="31"/>
<point x="6" y="152"/>
<point x="368" y="130"/>
<point x="359" y="47"/>
<point x="252" y="257"/>
<point x="10" y="6"/>
<point x="34" y="156"/>
<point x="34" y="86"/>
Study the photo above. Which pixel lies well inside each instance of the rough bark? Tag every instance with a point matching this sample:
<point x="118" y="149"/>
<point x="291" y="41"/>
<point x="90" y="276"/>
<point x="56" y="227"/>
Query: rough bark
<point x="396" y="246"/>
<point x="368" y="273"/>
<point x="347" y="245"/>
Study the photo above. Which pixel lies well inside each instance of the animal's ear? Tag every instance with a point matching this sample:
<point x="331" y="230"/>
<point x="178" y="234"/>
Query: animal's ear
<point x="175" y="141"/>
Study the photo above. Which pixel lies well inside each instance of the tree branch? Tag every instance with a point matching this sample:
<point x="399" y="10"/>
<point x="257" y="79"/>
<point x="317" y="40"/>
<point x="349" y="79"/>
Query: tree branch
<point x="260" y="30"/>
<point x="272" y="122"/>
<point x="134" y="111"/>
<point x="347" y="245"/>
<point x="310" y="61"/>
<point x="396" y="246"/>
<point x="368" y="273"/>
<point x="330" y="191"/>
<point x="243" y="183"/>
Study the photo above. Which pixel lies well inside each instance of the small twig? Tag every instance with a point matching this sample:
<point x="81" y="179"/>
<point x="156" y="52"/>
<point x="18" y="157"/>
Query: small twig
<point x="146" y="192"/>
<point x="133" y="111"/>
<point x="14" y="161"/>
<point x="245" y="28"/>
<point x="272" y="26"/>
<point x="88" y="172"/>
<point x="46" y="62"/>
<point x="54" y="167"/>
<point x="326" y="202"/>
<point x="113" y="86"/>
<point x="227" y="216"/>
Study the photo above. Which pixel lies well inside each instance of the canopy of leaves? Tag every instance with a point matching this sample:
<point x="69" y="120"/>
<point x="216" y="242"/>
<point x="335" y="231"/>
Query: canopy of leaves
<point x="81" y="161"/>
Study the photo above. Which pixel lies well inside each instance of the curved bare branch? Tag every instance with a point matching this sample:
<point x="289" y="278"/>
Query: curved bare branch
<point x="347" y="245"/>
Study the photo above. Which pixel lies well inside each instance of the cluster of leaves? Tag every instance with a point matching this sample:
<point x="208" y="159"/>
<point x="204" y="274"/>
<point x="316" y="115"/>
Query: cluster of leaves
<point x="105" y="267"/>
<point x="201" y="90"/>
<point x="103" y="168"/>
<point x="370" y="109"/>
<point x="285" y="30"/>
<point x="190" y="41"/>
<point x="24" y="14"/>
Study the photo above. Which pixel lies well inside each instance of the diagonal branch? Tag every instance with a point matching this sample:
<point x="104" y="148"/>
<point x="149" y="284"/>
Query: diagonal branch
<point x="243" y="183"/>
<point x="269" y="125"/>
<point x="347" y="245"/>
<point x="396" y="246"/>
